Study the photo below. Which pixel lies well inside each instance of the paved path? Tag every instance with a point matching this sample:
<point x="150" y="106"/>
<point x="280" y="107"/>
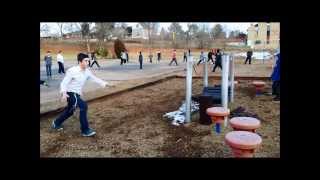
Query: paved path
<point x="129" y="75"/>
<point x="110" y="71"/>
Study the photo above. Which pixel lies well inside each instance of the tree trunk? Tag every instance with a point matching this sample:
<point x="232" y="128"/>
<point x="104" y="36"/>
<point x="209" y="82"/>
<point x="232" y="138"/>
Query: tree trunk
<point x="187" y="41"/>
<point x="149" y="37"/>
<point x="88" y="44"/>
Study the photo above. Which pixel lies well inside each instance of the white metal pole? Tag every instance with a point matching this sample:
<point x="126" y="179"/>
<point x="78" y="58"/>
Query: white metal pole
<point x="224" y="87"/>
<point x="189" y="88"/>
<point x="205" y="76"/>
<point x="264" y="45"/>
<point x="232" y="77"/>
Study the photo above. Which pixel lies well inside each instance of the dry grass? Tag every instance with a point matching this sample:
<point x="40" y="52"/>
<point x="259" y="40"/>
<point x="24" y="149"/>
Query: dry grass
<point x="131" y="125"/>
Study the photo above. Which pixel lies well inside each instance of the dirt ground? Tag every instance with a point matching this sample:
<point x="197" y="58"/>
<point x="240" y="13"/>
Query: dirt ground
<point x="132" y="125"/>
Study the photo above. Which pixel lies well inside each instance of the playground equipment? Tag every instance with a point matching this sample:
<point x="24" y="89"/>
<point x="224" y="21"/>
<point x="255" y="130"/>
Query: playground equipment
<point x="243" y="143"/>
<point x="189" y="88"/>
<point x="259" y="85"/>
<point x="205" y="71"/>
<point x="244" y="124"/>
<point x="218" y="114"/>
<point x="231" y="78"/>
<point x="225" y="84"/>
<point x="217" y="95"/>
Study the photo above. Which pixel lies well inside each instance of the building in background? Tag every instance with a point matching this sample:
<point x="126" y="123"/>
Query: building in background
<point x="138" y="32"/>
<point x="72" y="35"/>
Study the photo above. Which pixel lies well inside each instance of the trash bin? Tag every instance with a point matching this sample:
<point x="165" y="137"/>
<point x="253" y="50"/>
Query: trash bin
<point x="210" y="97"/>
<point x="205" y="102"/>
<point x="215" y="92"/>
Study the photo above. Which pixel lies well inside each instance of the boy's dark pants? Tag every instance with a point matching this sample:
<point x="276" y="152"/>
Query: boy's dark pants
<point x="276" y="88"/>
<point x="75" y="101"/>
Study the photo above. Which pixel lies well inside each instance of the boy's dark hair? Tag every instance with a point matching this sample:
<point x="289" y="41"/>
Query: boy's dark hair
<point x="59" y="51"/>
<point x="48" y="51"/>
<point x="218" y="50"/>
<point x="81" y="56"/>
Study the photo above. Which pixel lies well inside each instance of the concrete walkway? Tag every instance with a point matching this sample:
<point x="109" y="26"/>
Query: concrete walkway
<point x="125" y="76"/>
<point x="129" y="76"/>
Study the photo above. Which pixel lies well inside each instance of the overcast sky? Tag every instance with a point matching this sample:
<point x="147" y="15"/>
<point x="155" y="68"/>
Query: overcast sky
<point x="227" y="26"/>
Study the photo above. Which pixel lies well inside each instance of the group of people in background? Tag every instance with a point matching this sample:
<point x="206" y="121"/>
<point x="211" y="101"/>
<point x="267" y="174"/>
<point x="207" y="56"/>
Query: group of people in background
<point x="60" y="60"/>
<point x="151" y="56"/>
<point x="218" y="58"/>
<point x="48" y="62"/>
<point x="185" y="57"/>
<point x="124" y="57"/>
<point x="216" y="53"/>
<point x="94" y="60"/>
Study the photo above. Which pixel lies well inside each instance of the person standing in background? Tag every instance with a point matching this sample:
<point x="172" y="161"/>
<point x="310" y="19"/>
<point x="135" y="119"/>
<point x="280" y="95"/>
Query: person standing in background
<point x="202" y="58"/>
<point x="127" y="55"/>
<point x="184" y="56"/>
<point x="140" y="59"/>
<point x="249" y="55"/>
<point x="150" y="57"/>
<point x="60" y="62"/>
<point x="218" y="62"/>
<point x="48" y="62"/>
<point x="159" y="55"/>
<point x="174" y="58"/>
<point x="94" y="60"/>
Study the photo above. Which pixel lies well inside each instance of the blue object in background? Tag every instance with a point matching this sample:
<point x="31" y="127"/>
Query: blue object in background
<point x="275" y="76"/>
<point x="217" y="128"/>
<point x="258" y="93"/>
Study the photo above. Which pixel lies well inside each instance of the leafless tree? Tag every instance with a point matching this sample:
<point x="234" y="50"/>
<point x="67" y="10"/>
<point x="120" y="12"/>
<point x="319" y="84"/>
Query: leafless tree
<point x="60" y="26"/>
<point x="203" y="36"/>
<point x="152" y="29"/>
<point x="218" y="32"/>
<point x="70" y="27"/>
<point x="234" y="34"/>
<point x="44" y="29"/>
<point x="177" y="33"/>
<point x="162" y="34"/>
<point x="85" y="31"/>
<point x="119" y="30"/>
<point x="191" y="32"/>
<point x="103" y="31"/>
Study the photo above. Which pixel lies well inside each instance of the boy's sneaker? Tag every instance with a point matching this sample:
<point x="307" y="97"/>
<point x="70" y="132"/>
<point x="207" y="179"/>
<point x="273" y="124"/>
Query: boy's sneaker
<point x="54" y="126"/>
<point x="276" y="99"/>
<point x="45" y="83"/>
<point x="88" y="133"/>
